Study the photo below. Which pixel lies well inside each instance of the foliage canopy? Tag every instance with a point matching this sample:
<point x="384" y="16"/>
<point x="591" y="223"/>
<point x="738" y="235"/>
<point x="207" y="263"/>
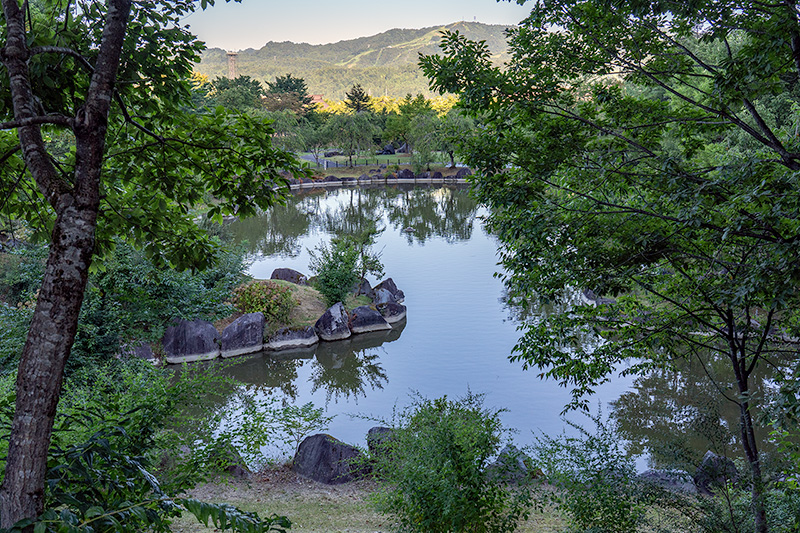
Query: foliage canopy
<point x="647" y="151"/>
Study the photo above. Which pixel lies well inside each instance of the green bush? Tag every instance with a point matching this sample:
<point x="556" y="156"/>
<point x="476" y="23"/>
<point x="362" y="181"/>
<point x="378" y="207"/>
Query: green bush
<point x="265" y="296"/>
<point x="433" y="470"/>
<point x="116" y="425"/>
<point x="347" y="260"/>
<point x="335" y="269"/>
<point x="127" y="298"/>
<point x="594" y="479"/>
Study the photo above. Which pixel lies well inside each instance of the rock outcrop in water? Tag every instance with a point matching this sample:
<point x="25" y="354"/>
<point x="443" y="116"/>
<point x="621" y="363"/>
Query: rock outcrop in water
<point x="187" y="341"/>
<point x="244" y="335"/>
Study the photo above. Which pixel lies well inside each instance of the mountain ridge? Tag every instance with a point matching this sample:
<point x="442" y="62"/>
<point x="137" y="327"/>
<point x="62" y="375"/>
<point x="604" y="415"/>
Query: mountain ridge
<point x="384" y="64"/>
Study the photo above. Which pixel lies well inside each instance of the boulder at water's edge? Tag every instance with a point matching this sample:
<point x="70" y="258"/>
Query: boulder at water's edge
<point x="186" y="341"/>
<point x="328" y="460"/>
<point x="244" y="335"/>
<point x="333" y="324"/>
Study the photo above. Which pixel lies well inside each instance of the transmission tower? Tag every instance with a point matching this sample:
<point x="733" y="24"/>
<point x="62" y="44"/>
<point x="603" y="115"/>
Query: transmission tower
<point x="232" y="64"/>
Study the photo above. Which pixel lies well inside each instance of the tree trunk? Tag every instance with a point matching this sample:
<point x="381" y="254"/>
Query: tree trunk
<point x="52" y="332"/>
<point x="751" y="452"/>
<point x="41" y="368"/>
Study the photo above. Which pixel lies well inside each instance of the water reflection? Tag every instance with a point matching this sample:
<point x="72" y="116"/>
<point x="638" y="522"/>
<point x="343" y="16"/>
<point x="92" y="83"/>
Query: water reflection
<point x="676" y="415"/>
<point x="421" y="212"/>
<point x="347" y="369"/>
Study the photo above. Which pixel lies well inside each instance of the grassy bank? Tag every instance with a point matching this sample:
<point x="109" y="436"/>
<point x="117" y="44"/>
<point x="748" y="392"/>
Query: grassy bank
<point x="313" y="506"/>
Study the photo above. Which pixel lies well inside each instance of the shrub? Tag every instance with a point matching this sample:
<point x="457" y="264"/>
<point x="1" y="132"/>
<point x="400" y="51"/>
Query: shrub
<point x="347" y="261"/>
<point x="116" y="424"/>
<point x="433" y="470"/>
<point x="595" y="480"/>
<point x="335" y="267"/>
<point x="265" y="296"/>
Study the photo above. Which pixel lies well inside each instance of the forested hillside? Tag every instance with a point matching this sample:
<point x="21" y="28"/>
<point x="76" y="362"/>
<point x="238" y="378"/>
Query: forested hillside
<point x="384" y="64"/>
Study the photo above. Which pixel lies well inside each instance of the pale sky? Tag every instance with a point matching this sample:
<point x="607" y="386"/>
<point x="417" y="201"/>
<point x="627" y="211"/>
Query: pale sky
<point x="253" y="23"/>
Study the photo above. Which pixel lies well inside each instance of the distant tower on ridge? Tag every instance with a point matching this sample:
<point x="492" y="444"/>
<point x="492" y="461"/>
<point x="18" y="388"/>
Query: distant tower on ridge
<point x="232" y="64"/>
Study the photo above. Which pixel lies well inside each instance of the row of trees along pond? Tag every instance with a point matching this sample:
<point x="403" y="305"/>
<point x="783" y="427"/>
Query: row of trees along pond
<point x="358" y="126"/>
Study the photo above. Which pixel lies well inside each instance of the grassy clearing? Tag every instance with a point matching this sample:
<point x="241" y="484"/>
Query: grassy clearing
<point x="316" y="507"/>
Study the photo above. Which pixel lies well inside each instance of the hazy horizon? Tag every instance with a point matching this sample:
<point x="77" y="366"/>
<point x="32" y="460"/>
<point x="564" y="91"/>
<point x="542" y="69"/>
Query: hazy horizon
<point x="253" y="23"/>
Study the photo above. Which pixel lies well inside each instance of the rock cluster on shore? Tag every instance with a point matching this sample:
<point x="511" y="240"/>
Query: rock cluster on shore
<point x="188" y="341"/>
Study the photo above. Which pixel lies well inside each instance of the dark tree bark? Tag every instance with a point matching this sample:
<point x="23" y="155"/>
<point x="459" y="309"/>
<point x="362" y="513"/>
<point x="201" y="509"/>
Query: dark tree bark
<point x="76" y="205"/>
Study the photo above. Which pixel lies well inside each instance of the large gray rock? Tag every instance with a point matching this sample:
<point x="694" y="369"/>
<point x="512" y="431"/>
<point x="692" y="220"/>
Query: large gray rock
<point x="187" y="341"/>
<point x="244" y="335"/>
<point x="672" y="480"/>
<point x="392" y="312"/>
<point x="509" y="467"/>
<point x="364" y="319"/>
<point x="287" y="339"/>
<point x="328" y="460"/>
<point x="383" y="296"/>
<point x="333" y="324"/>
<point x="463" y="173"/>
<point x="405" y="174"/>
<point x="714" y="473"/>
<point x="390" y="286"/>
<point x="378" y="439"/>
<point x="290" y="275"/>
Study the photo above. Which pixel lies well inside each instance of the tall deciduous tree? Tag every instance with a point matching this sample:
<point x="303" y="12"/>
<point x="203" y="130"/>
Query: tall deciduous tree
<point x="638" y="149"/>
<point x="241" y="93"/>
<point x="110" y="79"/>
<point x="351" y="133"/>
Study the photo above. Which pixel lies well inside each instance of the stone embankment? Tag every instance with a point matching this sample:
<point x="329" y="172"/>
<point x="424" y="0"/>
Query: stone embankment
<point x="380" y="176"/>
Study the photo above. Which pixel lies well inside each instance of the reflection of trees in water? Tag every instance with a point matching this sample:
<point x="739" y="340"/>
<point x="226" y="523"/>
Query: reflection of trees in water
<point x="445" y="212"/>
<point x="675" y="415"/>
<point x="348" y="374"/>
<point x="353" y="215"/>
<point x="526" y="310"/>
<point x="278" y="231"/>
<point x="346" y="368"/>
<point x="269" y="371"/>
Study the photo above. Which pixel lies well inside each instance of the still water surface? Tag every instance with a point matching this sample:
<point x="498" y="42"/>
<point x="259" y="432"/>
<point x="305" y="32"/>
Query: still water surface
<point x="459" y="331"/>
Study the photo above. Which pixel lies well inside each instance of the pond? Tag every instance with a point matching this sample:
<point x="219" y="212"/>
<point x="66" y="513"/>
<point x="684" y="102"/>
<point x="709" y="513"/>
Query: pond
<point x="459" y="332"/>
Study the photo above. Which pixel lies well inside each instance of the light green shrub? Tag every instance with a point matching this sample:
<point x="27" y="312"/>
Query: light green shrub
<point x="265" y="296"/>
